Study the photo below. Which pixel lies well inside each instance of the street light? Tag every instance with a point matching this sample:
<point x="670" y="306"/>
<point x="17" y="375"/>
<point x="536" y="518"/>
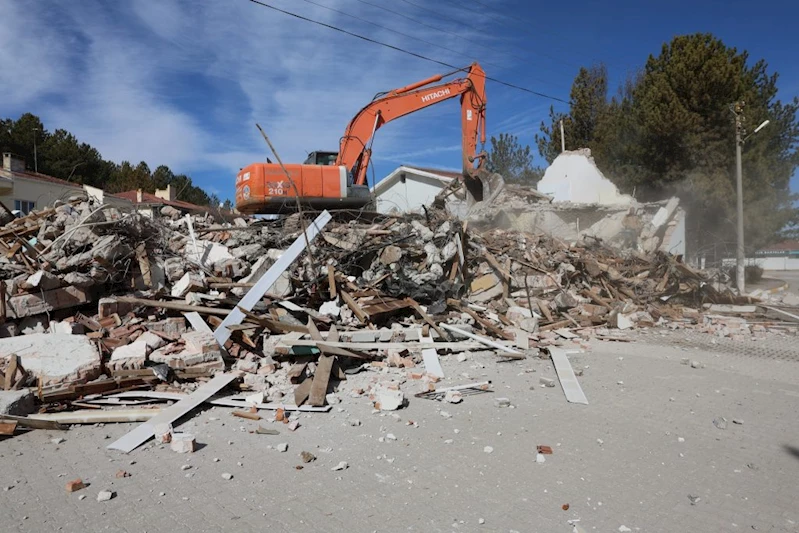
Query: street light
<point x="740" y="139"/>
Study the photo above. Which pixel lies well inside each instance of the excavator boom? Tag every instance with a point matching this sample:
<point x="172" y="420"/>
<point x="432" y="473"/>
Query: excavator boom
<point x="324" y="183"/>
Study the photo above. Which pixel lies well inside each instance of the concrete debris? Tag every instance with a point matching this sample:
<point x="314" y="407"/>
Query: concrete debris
<point x="183" y="443"/>
<point x="453" y="396"/>
<point x="371" y="308"/>
<point x="501" y="402"/>
<point x="343" y="465"/>
<point x="105" y="495"/>
<point x="547" y="382"/>
<point x="387" y="399"/>
<point x="75" y="485"/>
<point x="16" y="402"/>
<point x="307" y="457"/>
<point x="163" y="433"/>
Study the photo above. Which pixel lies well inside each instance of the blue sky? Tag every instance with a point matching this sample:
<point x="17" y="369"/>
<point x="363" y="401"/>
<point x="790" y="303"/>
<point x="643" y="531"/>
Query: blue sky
<point x="183" y="82"/>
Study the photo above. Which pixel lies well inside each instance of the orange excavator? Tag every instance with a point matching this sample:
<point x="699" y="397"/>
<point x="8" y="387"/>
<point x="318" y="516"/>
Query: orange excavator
<point x="330" y="180"/>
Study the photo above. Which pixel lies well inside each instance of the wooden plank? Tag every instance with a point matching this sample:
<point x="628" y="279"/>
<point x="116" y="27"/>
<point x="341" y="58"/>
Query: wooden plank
<point x="230" y="401"/>
<point x="544" y="308"/>
<point x="247" y="415"/>
<point x="568" y="381"/>
<point x="144" y="432"/>
<point x="555" y="325"/>
<point x="271" y="276"/>
<point x="297" y="372"/>
<point x="8" y="428"/>
<point x="488" y="326"/>
<point x="144" y="265"/>
<point x="2" y="302"/>
<point x="175" y="306"/>
<point x="26" y="422"/>
<point x="333" y="350"/>
<point x="302" y="391"/>
<point x="332" y="335"/>
<point x="270" y="406"/>
<point x="321" y="379"/>
<point x="14" y="249"/>
<point x="373" y="310"/>
<point x="735" y="309"/>
<point x="11" y="370"/>
<point x="331" y="281"/>
<point x="496" y="266"/>
<point x="356" y="309"/>
<point x="94" y="416"/>
<point x="456" y="346"/>
<point x="482" y="340"/>
<point x="426" y="318"/>
<point x="313" y="331"/>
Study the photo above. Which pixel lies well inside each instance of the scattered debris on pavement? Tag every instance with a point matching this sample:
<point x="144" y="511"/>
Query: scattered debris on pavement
<point x="111" y="316"/>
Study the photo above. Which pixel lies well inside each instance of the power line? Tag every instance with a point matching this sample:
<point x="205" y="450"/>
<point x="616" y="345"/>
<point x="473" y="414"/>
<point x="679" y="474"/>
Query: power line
<point x="426" y="25"/>
<point x="398" y="49"/>
<point x="446" y="17"/>
<point x="395" y="31"/>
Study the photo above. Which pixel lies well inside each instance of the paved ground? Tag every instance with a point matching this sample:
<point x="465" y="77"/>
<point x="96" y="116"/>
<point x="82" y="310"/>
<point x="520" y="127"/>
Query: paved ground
<point x="791" y="277"/>
<point x="619" y="461"/>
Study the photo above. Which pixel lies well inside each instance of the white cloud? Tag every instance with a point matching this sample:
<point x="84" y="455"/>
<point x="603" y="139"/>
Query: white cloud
<point x="182" y="83"/>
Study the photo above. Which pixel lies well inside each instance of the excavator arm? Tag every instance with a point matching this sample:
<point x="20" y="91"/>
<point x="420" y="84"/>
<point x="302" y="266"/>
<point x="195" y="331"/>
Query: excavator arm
<point x="355" y="151"/>
<point x="271" y="188"/>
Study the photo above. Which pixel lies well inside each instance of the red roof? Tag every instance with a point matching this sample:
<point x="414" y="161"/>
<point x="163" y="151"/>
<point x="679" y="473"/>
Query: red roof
<point x="149" y="198"/>
<point x="783" y="246"/>
<point x="40" y="177"/>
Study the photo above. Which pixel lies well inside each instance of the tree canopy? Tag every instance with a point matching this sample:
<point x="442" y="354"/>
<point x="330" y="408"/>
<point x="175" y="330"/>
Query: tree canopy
<point x="60" y="154"/>
<point x="514" y="161"/>
<point x="670" y="130"/>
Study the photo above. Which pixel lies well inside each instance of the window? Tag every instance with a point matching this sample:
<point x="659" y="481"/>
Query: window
<point x="24" y="206"/>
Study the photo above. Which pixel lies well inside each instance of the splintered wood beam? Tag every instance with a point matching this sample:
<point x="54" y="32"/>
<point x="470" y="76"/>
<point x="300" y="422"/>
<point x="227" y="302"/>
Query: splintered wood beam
<point x="418" y="308"/>
<point x="331" y="281"/>
<point x="11" y="371"/>
<point x="356" y="309"/>
<point x="302" y="391"/>
<point x="321" y="379"/>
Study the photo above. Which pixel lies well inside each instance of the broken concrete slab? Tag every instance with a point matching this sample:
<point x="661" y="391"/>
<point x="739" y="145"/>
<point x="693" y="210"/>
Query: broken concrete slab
<point x="190" y="282"/>
<point x="56" y="358"/>
<point x="43" y="302"/>
<point x="16" y="402"/>
<point x="201" y="349"/>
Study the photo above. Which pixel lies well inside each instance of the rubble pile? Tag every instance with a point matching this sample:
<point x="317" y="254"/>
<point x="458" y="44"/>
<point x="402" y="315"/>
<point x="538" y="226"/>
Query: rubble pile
<point x="169" y="302"/>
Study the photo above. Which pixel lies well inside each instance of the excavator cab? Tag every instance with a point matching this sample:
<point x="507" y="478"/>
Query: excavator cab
<point x="321" y="158"/>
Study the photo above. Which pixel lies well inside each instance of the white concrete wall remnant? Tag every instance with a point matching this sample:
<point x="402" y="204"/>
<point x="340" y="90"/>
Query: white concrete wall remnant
<point x="398" y="194"/>
<point x="574" y="177"/>
<point x="674" y="240"/>
<point x="55" y="357"/>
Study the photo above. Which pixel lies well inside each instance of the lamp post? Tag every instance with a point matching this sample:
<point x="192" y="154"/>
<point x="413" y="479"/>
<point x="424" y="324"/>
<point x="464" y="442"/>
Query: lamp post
<point x="740" y="139"/>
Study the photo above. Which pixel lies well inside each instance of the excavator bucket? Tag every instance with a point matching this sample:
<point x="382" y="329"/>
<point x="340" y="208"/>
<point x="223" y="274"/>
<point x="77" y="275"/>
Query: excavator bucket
<point x="483" y="186"/>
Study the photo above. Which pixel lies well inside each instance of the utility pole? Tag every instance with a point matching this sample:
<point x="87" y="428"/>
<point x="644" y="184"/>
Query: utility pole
<point x="562" y="138"/>
<point x="740" y="257"/>
<point x="35" y="158"/>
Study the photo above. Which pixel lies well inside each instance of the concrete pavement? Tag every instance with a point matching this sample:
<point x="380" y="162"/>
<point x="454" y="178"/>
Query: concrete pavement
<point x="644" y="454"/>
